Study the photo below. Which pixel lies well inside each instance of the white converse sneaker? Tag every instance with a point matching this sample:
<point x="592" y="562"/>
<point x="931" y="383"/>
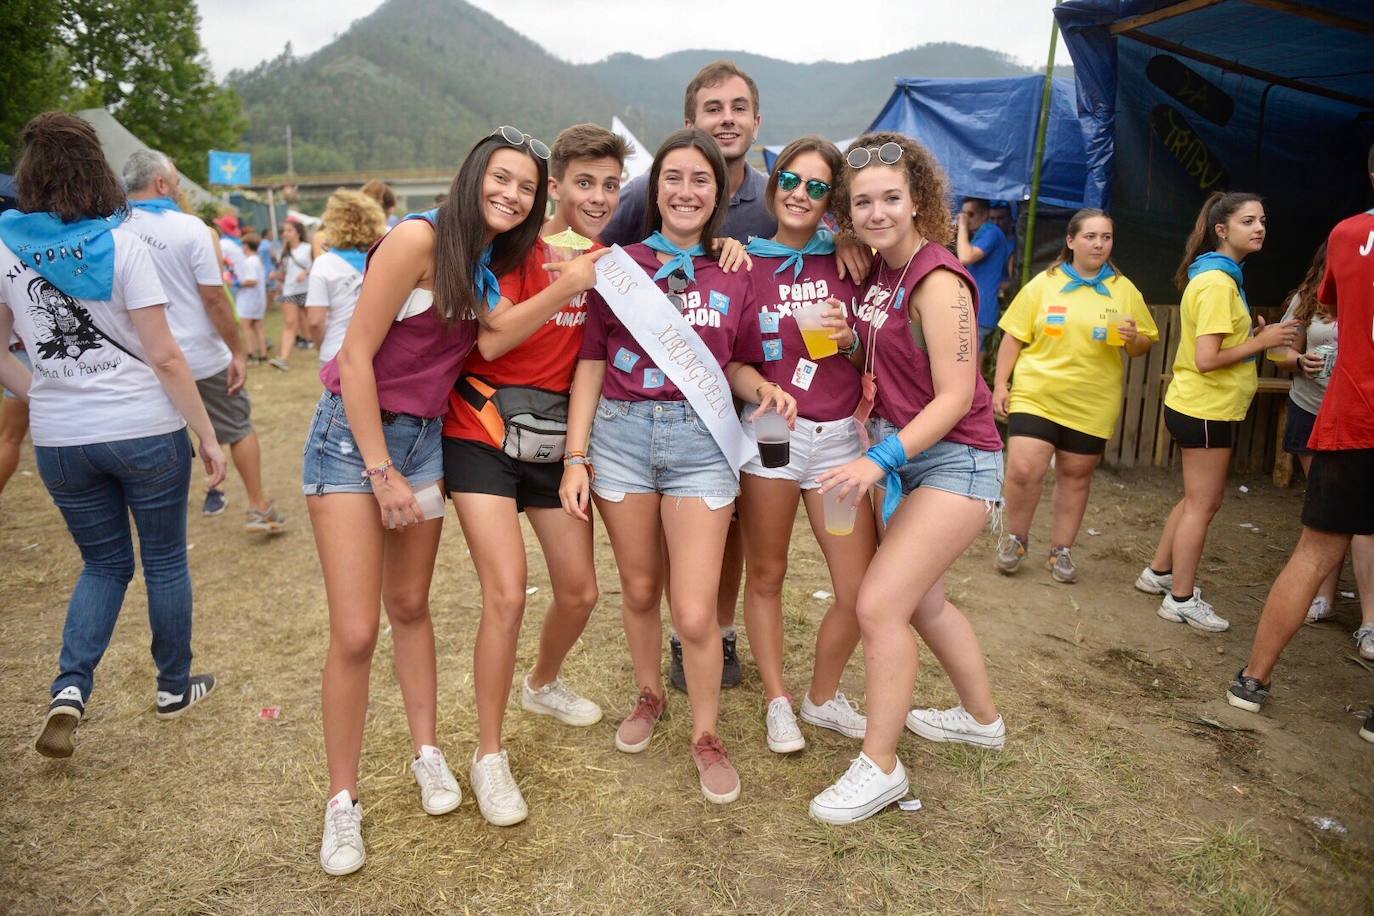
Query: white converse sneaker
<point x="439" y="792"/>
<point x="498" y="796"/>
<point x="341" y="850"/>
<point x="861" y="792"/>
<point x="1364" y="641"/>
<point x="1153" y="583"/>
<point x="1320" y="609"/>
<point x="557" y="700"/>
<point x="957" y="725"/>
<point x="1195" y="612"/>
<point x="784" y="736"/>
<point x="839" y="714"/>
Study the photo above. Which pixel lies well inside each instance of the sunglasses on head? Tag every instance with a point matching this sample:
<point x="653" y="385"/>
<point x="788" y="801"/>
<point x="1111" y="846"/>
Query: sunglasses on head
<point x="815" y="188"/>
<point x="889" y="153"/>
<point x="516" y="137"/>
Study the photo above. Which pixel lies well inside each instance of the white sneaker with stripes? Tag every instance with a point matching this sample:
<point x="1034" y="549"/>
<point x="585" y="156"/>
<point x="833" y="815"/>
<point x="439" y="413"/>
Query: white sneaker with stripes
<point x="171" y="705"/>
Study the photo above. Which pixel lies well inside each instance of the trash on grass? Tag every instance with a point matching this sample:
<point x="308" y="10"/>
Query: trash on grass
<point x="270" y="712"/>
<point x="1347" y="594"/>
<point x="1244" y="488"/>
<point x="821" y="595"/>
<point x="1329" y="824"/>
<point x="1093" y="532"/>
<point x="531" y="590"/>
<point x="914" y="804"/>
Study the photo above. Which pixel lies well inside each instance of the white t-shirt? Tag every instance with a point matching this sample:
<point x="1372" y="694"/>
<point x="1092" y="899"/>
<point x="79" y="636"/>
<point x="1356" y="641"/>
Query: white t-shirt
<point x="296" y="265"/>
<point x="334" y="285"/>
<point x="233" y="254"/>
<point x="252" y="300"/>
<point x="86" y="387"/>
<point x="183" y="251"/>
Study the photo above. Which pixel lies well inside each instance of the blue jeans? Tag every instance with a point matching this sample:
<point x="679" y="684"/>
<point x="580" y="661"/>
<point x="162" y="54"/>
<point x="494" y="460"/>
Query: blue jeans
<point x="96" y="487"/>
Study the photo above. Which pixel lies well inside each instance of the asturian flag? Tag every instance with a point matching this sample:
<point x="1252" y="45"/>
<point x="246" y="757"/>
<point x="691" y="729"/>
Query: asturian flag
<point x="230" y="168"/>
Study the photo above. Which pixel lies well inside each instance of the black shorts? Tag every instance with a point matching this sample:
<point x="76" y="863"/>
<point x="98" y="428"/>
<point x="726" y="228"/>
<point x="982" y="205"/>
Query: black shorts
<point x="1056" y="434"/>
<point x="1190" y="432"/>
<point x="1297" y="429"/>
<point x="475" y="467"/>
<point x="1340" y="492"/>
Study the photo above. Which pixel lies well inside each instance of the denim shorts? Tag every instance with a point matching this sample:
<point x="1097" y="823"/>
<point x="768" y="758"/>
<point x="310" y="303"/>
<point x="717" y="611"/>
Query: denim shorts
<point x="950" y="466"/>
<point x="658" y="447"/>
<point x="814" y="448"/>
<point x="333" y="463"/>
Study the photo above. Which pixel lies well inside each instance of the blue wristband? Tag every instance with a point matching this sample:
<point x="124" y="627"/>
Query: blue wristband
<point x="890" y="455"/>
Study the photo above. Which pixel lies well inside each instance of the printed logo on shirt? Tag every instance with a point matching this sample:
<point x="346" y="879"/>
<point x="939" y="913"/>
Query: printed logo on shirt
<point x="772" y="350"/>
<point x="1100" y="334"/>
<point x="768" y="322"/>
<point x="874" y="308"/>
<point x="625" y="360"/>
<point x="1057" y="317"/>
<point x="653" y="378"/>
<point x="720" y="302"/>
<point x="64" y="328"/>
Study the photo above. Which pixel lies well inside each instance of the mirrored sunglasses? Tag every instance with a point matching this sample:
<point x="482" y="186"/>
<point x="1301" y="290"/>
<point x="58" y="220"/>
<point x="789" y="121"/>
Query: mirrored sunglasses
<point x="815" y="188"/>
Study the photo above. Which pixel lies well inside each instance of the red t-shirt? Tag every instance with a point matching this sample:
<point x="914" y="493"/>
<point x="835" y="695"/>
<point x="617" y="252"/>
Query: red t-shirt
<point x="1346" y="419"/>
<point x="546" y="360"/>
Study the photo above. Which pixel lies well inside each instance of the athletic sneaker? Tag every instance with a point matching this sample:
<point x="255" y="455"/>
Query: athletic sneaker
<point x="171" y="705"/>
<point x="498" y="796"/>
<point x="1195" y="612"/>
<point x="279" y="364"/>
<point x="957" y="725"/>
<point x="635" y="733"/>
<point x="1061" y="566"/>
<point x="342" y="851"/>
<point x="1320" y="609"/>
<point x="439" y="792"/>
<point x="64" y="714"/>
<point x="1010" y="552"/>
<point x="839" y="714"/>
<point x="1367" y="728"/>
<point x="268" y="521"/>
<point x="557" y="700"/>
<point x="719" y="781"/>
<point x="215" y="501"/>
<point x="730" y="671"/>
<point x="677" y="676"/>
<point x="784" y="736"/>
<point x="1153" y="583"/>
<point x="860" y="793"/>
<point x="1364" y="640"/>
<point x="1247" y="693"/>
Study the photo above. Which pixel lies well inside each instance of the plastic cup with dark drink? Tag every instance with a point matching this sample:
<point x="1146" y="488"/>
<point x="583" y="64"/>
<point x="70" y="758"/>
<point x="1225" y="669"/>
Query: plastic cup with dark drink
<point x="775" y="450"/>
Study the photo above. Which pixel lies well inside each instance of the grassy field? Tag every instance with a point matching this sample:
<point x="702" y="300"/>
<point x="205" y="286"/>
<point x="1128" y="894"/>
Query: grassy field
<point x="1127" y="785"/>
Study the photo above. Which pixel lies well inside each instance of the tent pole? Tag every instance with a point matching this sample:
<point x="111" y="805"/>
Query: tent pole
<point x="1040" y="132"/>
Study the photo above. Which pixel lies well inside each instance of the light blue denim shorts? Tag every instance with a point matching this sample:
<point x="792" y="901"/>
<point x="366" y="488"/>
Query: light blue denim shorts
<point x="333" y="463"/>
<point x="658" y="447"/>
<point x="950" y="466"/>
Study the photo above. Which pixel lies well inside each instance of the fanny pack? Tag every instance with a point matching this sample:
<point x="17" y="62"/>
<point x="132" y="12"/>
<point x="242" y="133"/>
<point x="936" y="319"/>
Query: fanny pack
<point x="528" y="424"/>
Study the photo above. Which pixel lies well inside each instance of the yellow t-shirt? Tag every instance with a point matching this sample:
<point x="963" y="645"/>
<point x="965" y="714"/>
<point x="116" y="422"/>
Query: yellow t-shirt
<point x="1067" y="372"/>
<point x="1212" y="305"/>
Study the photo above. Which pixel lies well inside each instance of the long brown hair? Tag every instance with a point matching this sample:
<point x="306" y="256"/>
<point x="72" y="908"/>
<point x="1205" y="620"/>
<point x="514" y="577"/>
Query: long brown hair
<point x="1309" y="306"/>
<point x="701" y="141"/>
<point x="1219" y="207"/>
<point x="829" y="152"/>
<point x="1076" y="226"/>
<point x="925" y="178"/>
<point x="62" y="170"/>
<point x="460" y="231"/>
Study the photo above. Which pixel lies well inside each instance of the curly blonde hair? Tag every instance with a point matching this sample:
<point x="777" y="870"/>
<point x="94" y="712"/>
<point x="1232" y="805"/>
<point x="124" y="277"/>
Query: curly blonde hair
<point x="352" y="220"/>
<point x="925" y="177"/>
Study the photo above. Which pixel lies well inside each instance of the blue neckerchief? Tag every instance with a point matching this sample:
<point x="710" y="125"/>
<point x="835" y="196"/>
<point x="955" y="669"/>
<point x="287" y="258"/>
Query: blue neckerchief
<point x="1097" y="284"/>
<point x="78" y="257"/>
<point x="431" y="216"/>
<point x="356" y="257"/>
<point x="823" y="242"/>
<point x="1215" y="260"/>
<point x="156" y="204"/>
<point x="484" y="282"/>
<point x="682" y="257"/>
<point x="890" y="455"/>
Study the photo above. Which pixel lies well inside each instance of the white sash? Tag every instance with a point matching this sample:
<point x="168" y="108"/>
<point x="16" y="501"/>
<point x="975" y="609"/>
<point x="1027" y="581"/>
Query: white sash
<point x="675" y="348"/>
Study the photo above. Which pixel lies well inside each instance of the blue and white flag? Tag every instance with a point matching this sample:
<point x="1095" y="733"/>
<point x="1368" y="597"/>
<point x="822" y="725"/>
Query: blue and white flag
<point x="230" y="168"/>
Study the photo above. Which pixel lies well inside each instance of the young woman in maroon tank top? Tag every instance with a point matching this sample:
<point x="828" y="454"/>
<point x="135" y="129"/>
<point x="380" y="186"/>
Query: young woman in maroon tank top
<point x="429" y="296"/>
<point x="937" y="449"/>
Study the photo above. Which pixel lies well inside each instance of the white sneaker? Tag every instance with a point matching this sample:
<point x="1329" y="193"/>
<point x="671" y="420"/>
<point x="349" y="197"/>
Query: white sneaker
<point x="1195" y="612"/>
<point x="1320" y="609"/>
<point x="838" y="714"/>
<point x="341" y="850"/>
<point x="784" y="736"/>
<point x="1364" y="641"/>
<point x="957" y="725"/>
<point x="861" y="792"/>
<point x="439" y="792"/>
<point x="498" y="796"/>
<point x="557" y="700"/>
<point x="1152" y="583"/>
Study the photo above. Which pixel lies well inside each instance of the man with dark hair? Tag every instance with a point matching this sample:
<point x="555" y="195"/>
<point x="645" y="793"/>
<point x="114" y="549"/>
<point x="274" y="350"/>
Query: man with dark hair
<point x="983" y="249"/>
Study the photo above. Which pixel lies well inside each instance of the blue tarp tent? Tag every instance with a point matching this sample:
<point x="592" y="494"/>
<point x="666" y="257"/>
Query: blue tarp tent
<point x="1182" y="98"/>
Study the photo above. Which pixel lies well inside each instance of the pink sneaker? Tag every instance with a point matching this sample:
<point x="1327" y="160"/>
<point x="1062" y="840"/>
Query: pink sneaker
<point x="637" y="730"/>
<point x="719" y="781"/>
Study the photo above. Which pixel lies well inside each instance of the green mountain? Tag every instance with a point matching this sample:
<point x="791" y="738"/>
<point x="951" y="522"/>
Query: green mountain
<point x="415" y="83"/>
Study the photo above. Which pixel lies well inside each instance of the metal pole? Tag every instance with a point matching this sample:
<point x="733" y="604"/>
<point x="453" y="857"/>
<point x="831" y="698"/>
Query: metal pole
<point x="272" y="208"/>
<point x="291" y="164"/>
<point x="1039" y="153"/>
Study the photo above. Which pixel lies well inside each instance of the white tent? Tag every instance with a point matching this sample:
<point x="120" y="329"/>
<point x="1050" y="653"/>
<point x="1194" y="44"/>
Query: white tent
<point x="118" y="144"/>
<point x="640" y="159"/>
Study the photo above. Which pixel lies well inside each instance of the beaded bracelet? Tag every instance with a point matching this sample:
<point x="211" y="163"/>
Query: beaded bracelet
<point x="574" y="458"/>
<point x="378" y="471"/>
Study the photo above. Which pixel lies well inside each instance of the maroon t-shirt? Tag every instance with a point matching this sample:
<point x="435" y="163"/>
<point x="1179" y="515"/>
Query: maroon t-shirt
<point x="901" y="364"/>
<point x="720" y="307"/>
<point x="825" y="389"/>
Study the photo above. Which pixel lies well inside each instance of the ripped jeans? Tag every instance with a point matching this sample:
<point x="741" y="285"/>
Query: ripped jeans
<point x="658" y="447"/>
<point x="949" y="466"/>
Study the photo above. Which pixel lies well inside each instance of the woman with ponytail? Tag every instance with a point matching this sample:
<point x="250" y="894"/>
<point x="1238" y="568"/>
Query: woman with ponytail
<point x="1214" y="381"/>
<point x="374" y="460"/>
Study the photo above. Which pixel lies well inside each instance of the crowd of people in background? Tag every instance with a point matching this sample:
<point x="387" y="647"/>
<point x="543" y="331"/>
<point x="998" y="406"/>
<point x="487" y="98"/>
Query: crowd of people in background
<point x="814" y="336"/>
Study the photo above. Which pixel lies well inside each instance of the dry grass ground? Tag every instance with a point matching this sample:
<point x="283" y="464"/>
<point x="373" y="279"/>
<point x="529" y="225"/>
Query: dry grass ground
<point x="1127" y="785"/>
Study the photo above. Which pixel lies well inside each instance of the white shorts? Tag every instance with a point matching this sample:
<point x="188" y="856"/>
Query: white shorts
<point x="815" y="449"/>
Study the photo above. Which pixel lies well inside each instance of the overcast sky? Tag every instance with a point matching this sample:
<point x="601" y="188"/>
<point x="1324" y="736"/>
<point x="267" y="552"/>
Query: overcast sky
<point x="240" y="33"/>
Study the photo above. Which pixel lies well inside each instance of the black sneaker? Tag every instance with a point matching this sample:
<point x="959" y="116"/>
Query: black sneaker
<point x="1248" y="693"/>
<point x="171" y="705"/>
<point x="215" y="501"/>
<point x="64" y="714"/>
<point x="730" y="673"/>
<point x="676" y="675"/>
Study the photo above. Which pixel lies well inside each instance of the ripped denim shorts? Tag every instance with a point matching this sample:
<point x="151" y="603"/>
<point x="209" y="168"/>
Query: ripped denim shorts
<point x="333" y="463"/>
<point x="658" y="447"/>
<point x="949" y="466"/>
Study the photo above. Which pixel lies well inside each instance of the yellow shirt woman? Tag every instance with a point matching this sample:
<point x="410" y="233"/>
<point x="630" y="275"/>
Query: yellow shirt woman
<point x="1212" y="304"/>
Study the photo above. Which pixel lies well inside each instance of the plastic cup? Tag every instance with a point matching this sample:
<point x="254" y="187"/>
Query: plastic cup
<point x="840" y="513"/>
<point x="775" y="439"/>
<point x="1114" y="330"/>
<point x="815" y="334"/>
<point x="431" y="501"/>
